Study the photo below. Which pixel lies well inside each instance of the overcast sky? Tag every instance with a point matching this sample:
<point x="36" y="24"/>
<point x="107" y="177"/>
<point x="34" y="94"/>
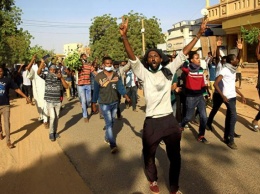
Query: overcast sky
<point x="54" y="23"/>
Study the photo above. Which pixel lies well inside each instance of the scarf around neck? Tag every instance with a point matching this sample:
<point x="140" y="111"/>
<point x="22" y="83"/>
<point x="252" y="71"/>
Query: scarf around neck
<point x="193" y="68"/>
<point x="231" y="67"/>
<point x="166" y="72"/>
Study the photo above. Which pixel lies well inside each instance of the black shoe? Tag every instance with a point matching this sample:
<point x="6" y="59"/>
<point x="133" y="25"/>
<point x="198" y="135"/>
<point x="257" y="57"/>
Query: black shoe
<point x="209" y="127"/>
<point x="52" y="137"/>
<point x="114" y="150"/>
<point x="203" y="140"/>
<point x="237" y="135"/>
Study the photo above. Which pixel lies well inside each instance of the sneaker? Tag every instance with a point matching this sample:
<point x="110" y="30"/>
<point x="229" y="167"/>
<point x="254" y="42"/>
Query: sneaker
<point x="52" y="137"/>
<point x="114" y="150"/>
<point x="154" y="187"/>
<point x="203" y="140"/>
<point x="177" y="192"/>
<point x="232" y="145"/>
<point x="101" y="116"/>
<point x="255" y="126"/>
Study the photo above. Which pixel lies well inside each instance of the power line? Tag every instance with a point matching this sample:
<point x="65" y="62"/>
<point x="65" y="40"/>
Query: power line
<point x="58" y="32"/>
<point x="41" y="21"/>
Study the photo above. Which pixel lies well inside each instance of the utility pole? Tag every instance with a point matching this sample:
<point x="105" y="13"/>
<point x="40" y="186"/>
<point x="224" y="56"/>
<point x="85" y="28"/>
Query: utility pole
<point x="207" y="3"/>
<point x="142" y="31"/>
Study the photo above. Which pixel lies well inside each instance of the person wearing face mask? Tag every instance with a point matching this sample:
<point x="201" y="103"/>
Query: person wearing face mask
<point x="228" y="94"/>
<point x="106" y="85"/>
<point x="156" y="73"/>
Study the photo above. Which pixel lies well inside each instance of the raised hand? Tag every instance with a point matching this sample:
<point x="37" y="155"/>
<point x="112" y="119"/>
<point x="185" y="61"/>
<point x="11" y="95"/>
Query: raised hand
<point x="219" y="41"/>
<point x="203" y="25"/>
<point x="239" y="44"/>
<point x="124" y="26"/>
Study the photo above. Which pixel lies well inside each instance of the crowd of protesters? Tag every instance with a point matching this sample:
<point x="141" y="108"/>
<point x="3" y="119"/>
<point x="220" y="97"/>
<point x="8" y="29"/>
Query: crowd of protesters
<point x="175" y="89"/>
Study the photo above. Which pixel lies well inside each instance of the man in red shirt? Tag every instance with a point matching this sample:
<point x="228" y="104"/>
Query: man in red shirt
<point x="84" y="85"/>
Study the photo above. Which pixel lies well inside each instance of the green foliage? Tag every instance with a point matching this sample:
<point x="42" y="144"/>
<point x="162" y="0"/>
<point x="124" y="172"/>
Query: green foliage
<point x="39" y="51"/>
<point x="105" y="38"/>
<point x="72" y="61"/>
<point x="14" y="41"/>
<point x="250" y="35"/>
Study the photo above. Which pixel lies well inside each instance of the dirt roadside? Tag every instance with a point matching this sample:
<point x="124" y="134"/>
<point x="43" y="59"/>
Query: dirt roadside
<point x="35" y="165"/>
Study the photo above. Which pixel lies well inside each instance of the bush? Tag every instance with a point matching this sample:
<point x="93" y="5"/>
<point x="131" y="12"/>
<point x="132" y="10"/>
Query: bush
<point x="73" y="61"/>
<point x="250" y="36"/>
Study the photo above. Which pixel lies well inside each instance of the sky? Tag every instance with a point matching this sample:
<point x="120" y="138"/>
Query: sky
<point x="54" y="23"/>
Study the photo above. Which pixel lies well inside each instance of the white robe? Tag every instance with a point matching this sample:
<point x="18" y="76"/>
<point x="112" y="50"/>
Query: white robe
<point x="38" y="85"/>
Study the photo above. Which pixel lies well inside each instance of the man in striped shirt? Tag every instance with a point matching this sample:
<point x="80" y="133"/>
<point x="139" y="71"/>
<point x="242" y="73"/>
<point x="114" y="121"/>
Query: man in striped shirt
<point x="84" y="85"/>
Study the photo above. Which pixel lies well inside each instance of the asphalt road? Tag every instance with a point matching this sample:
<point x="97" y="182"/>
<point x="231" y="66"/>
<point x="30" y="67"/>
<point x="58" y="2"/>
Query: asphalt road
<point x="213" y="168"/>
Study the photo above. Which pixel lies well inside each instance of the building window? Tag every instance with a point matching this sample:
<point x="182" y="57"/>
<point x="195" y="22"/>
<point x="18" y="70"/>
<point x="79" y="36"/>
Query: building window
<point x="243" y="4"/>
<point x="247" y="3"/>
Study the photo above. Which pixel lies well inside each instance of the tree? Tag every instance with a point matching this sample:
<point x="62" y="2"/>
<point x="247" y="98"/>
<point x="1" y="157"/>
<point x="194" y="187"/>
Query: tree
<point x="14" y="41"/>
<point x="105" y="38"/>
<point x="250" y="35"/>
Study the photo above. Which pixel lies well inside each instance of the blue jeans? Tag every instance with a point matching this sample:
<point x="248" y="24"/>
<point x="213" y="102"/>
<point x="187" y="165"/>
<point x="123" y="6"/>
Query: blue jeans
<point x="109" y="113"/>
<point x="191" y="104"/>
<point x="54" y="112"/>
<point x="85" y="98"/>
<point x="231" y="119"/>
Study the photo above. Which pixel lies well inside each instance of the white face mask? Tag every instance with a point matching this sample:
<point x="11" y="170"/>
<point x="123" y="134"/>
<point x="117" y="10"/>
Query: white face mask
<point x="109" y="68"/>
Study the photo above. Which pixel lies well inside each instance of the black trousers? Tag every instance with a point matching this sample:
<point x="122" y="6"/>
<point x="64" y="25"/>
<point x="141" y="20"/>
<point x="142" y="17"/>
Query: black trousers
<point x="28" y="91"/>
<point x="154" y="131"/>
<point x="217" y="102"/>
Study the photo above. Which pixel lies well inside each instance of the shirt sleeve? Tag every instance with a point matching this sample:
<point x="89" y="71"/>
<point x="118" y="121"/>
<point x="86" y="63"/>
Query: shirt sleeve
<point x="120" y="87"/>
<point x="96" y="92"/>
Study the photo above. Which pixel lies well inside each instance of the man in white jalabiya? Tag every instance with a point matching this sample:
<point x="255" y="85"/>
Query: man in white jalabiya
<point x="38" y="85"/>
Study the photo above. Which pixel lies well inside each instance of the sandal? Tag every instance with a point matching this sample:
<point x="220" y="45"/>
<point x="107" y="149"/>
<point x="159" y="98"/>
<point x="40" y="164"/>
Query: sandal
<point x="10" y="145"/>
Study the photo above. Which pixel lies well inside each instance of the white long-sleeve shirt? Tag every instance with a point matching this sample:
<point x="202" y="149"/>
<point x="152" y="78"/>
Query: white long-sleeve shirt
<point x="157" y="88"/>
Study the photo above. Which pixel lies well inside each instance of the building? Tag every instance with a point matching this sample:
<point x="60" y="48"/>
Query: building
<point x="232" y="14"/>
<point x="71" y="47"/>
<point x="183" y="32"/>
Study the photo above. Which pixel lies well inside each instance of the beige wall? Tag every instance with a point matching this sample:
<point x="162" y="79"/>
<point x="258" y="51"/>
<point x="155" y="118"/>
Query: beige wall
<point x="233" y="14"/>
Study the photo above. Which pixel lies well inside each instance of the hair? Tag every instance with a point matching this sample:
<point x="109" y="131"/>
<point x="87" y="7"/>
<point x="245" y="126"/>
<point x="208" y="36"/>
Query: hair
<point x="106" y="58"/>
<point x="230" y="58"/>
<point x="210" y="53"/>
<point x="191" y="55"/>
<point x="165" y="59"/>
